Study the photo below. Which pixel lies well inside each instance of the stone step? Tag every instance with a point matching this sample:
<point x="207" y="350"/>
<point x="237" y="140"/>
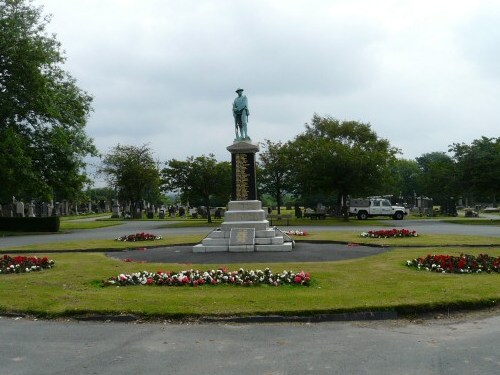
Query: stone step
<point x="269" y="241"/>
<point x="244" y="205"/>
<point x="244" y="215"/>
<point x="257" y="225"/>
<point x="270" y="232"/>
<point x="209" y="249"/>
<point x="287" y="246"/>
<point x="241" y="248"/>
<point x="215" y="241"/>
<point x="217" y="234"/>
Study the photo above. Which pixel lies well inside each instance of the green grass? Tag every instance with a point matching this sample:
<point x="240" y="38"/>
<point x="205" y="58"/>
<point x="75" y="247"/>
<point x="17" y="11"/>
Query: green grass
<point x="342" y="237"/>
<point x="475" y="221"/>
<point x="420" y="240"/>
<point x="188" y="223"/>
<point x="109" y="244"/>
<point x="379" y="282"/>
<point x="74" y="224"/>
<point x="84" y="216"/>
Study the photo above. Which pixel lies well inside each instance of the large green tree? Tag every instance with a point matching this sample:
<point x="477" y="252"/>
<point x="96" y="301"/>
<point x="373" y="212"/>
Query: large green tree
<point x="43" y="112"/>
<point x="274" y="171"/>
<point x="345" y="157"/>
<point x="134" y="173"/>
<point x="404" y="178"/>
<point x="438" y="178"/>
<point x="201" y="179"/>
<point x="478" y="168"/>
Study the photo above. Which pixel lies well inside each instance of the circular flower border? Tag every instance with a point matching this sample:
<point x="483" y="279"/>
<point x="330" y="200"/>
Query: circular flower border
<point x="295" y="232"/>
<point x="464" y="263"/>
<point x="389" y="233"/>
<point x="139" y="237"/>
<point x="24" y="264"/>
<point x="220" y="276"/>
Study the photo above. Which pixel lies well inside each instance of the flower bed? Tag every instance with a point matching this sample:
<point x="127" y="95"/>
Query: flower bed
<point x="452" y="264"/>
<point x="295" y="232"/>
<point x="211" y="277"/>
<point x="21" y="264"/>
<point x="389" y="233"/>
<point x="139" y="237"/>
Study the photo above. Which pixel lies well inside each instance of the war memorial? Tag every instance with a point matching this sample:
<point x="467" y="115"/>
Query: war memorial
<point x="245" y="227"/>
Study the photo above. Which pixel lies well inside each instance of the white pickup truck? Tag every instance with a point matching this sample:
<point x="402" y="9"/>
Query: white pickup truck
<point x="365" y="208"/>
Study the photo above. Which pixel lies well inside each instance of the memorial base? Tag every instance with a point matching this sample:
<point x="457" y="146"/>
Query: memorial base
<point x="245" y="229"/>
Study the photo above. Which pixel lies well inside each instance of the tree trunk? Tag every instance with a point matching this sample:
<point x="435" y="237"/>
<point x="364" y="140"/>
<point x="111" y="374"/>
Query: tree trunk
<point x="207" y="205"/>
<point x="342" y="203"/>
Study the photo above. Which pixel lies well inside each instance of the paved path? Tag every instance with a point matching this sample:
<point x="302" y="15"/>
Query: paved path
<point x="446" y="346"/>
<point x="303" y="252"/>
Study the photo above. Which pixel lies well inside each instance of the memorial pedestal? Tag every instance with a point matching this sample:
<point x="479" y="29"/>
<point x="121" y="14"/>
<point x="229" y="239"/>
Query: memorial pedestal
<point x="245" y="227"/>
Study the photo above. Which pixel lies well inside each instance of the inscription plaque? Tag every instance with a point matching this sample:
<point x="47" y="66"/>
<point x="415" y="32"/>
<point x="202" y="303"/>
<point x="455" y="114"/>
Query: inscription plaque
<point x="243" y="165"/>
<point x="242" y="236"/>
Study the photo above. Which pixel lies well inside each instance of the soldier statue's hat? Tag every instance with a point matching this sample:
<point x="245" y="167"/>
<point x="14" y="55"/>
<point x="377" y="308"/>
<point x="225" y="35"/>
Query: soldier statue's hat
<point x="238" y="90"/>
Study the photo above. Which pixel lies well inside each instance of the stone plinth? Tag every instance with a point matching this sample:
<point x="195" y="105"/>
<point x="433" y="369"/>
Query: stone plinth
<point x="243" y="170"/>
<point x="245" y="229"/>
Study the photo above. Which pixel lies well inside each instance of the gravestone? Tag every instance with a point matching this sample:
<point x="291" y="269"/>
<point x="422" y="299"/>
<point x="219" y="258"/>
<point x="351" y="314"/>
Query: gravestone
<point x="31" y="209"/>
<point x="19" y="209"/>
<point x="116" y="209"/>
<point x="45" y="209"/>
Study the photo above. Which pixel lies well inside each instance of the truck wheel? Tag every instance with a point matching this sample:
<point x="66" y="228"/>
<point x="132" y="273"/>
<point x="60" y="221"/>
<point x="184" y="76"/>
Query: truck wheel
<point x="362" y="215"/>
<point x="398" y="215"/>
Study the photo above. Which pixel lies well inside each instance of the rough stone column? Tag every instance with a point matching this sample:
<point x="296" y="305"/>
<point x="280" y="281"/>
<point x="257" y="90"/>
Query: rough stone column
<point x="244" y="186"/>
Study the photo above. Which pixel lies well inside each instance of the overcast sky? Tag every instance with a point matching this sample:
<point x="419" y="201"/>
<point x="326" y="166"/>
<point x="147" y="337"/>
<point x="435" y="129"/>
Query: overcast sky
<point x="424" y="74"/>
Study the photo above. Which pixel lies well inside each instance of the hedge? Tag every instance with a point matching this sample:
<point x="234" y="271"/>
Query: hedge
<point x="30" y="224"/>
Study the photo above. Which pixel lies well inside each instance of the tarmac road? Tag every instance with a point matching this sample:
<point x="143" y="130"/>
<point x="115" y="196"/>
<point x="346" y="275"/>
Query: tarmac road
<point x="303" y="252"/>
<point x="436" y="346"/>
<point x="467" y="344"/>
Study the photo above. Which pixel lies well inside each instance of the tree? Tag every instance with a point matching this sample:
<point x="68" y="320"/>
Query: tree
<point x="134" y="173"/>
<point x="199" y="179"/>
<point x="344" y="157"/>
<point x="274" y="174"/>
<point x="478" y="166"/>
<point x="404" y="178"/>
<point x="42" y="111"/>
<point x="438" y="178"/>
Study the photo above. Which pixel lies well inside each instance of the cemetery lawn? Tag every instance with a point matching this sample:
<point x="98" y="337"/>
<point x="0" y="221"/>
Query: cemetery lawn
<point x="420" y="240"/>
<point x="108" y="244"/>
<point x="477" y="221"/>
<point x="338" y="237"/>
<point x="76" y="224"/>
<point x="84" y="217"/>
<point x="380" y="282"/>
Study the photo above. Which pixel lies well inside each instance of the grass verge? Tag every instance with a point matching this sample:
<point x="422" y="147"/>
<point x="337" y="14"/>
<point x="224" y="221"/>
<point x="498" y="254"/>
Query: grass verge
<point x="74" y="224"/>
<point x="466" y="221"/>
<point x="420" y="240"/>
<point x="341" y="237"/>
<point x="108" y="244"/>
<point x="380" y="282"/>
